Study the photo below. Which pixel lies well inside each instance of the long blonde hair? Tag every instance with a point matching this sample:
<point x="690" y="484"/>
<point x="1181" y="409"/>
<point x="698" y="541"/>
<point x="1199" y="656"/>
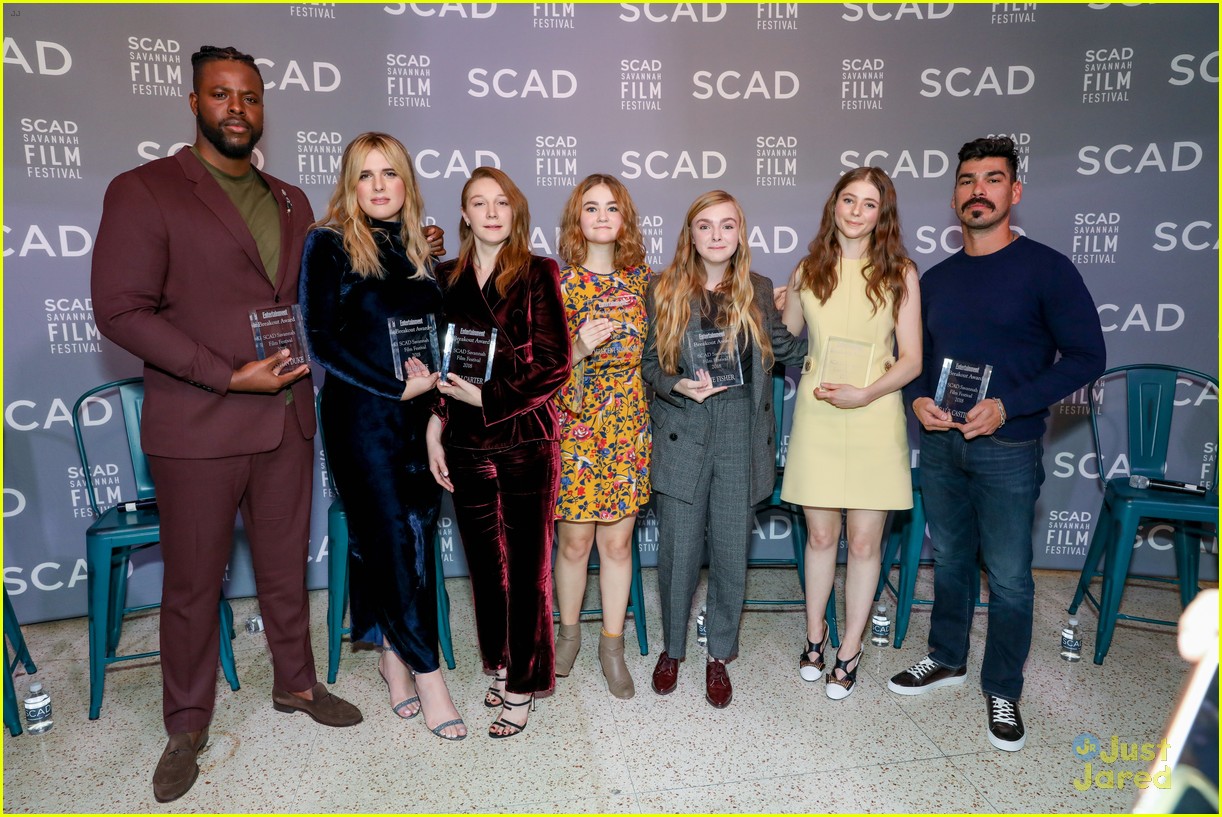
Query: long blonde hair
<point x="684" y="279"/>
<point x="629" y="246"/>
<point x="513" y="259"/>
<point x="344" y="214"/>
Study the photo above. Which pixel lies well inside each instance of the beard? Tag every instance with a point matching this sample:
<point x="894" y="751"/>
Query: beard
<point x="230" y="146"/>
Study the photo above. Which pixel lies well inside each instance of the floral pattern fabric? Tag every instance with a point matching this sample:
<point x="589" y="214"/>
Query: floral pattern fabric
<point x="604" y="417"/>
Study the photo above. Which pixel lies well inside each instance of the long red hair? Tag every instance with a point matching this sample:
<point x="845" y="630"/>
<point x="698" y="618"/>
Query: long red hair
<point x="513" y="260"/>
<point x="886" y="258"/>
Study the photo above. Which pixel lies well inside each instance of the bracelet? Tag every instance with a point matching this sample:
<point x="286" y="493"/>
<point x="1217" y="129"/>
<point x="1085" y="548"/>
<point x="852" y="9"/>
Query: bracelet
<point x="1001" y="410"/>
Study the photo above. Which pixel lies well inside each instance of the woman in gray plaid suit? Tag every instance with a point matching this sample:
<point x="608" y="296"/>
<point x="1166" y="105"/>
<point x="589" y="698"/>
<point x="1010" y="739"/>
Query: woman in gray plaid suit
<point x="713" y="427"/>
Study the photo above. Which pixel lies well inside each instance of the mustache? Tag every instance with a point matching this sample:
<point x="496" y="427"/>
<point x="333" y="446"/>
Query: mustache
<point x="977" y="202"/>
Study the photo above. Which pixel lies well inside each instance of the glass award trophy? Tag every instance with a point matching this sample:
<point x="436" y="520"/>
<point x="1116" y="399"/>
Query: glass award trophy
<point x="611" y="308"/>
<point x="961" y="386"/>
<point x="280" y="327"/>
<point x="468" y="353"/>
<point x="413" y="337"/>
<point x="845" y="361"/>
<point x="705" y="350"/>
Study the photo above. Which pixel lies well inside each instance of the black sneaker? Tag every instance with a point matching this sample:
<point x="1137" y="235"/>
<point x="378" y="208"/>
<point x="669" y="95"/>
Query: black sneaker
<point x="925" y="675"/>
<point x="1005" y="724"/>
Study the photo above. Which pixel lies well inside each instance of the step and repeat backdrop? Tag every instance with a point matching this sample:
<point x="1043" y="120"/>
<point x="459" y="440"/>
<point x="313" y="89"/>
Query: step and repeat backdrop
<point x="1114" y="107"/>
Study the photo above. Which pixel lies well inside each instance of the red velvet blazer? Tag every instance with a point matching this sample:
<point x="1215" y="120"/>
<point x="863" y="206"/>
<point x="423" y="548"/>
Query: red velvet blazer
<point x="531" y="362"/>
<point x="175" y="274"/>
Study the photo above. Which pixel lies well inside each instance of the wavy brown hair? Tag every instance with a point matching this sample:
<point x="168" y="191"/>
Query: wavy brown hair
<point x="629" y="246"/>
<point x="513" y="260"/>
<point x="886" y="258"/>
<point x="684" y="280"/>
<point x="344" y="214"/>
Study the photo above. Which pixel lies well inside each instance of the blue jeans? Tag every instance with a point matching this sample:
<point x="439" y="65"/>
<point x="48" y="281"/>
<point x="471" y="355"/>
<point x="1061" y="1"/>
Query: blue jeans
<point x="980" y="494"/>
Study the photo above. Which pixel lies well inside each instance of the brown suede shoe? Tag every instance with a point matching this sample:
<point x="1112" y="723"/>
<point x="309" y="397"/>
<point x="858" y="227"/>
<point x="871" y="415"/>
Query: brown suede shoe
<point x="177" y="770"/>
<point x="665" y="674"/>
<point x="327" y="709"/>
<point x="717" y="689"/>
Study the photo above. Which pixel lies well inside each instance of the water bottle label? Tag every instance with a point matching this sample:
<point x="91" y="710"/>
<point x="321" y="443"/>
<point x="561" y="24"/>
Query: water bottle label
<point x="1069" y="644"/>
<point x="880" y="627"/>
<point x="38" y="713"/>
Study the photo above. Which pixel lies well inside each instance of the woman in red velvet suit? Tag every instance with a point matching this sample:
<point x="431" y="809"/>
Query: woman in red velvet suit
<point x="495" y="445"/>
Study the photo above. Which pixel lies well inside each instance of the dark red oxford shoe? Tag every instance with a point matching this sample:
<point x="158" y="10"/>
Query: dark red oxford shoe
<point x="665" y="674"/>
<point x="717" y="689"/>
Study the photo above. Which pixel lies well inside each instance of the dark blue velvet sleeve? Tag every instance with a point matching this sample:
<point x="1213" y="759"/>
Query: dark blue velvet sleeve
<point x="320" y="292"/>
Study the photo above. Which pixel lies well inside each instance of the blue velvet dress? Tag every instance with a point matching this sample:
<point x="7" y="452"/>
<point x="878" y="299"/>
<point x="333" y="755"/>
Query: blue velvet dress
<point x="375" y="442"/>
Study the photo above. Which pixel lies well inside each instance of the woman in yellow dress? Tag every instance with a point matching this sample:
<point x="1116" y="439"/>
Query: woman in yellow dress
<point x="604" y="428"/>
<point x="856" y="291"/>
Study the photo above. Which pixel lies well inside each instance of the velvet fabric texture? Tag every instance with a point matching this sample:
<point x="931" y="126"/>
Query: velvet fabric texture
<point x="504" y="461"/>
<point x="375" y="442"/>
<point x="503" y="502"/>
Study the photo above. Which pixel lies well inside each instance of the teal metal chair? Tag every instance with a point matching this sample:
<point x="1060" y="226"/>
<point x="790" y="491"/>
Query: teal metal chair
<point x="636" y="594"/>
<point x="12" y="629"/>
<point x="337" y="575"/>
<point x="1150" y="404"/>
<point x="797" y="520"/>
<point x="903" y="548"/>
<point x="110" y="542"/>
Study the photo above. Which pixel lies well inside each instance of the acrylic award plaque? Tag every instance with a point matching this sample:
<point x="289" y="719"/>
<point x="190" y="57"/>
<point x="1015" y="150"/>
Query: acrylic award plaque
<point x="961" y="385"/>
<point x="413" y="337"/>
<point x="845" y="361"/>
<point x="613" y="308"/>
<point x="280" y="327"/>
<point x="704" y="349"/>
<point x="468" y="353"/>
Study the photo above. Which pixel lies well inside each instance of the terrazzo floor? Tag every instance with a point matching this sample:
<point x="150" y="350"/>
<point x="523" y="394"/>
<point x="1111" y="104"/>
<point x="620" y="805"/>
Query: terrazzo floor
<point x="781" y="746"/>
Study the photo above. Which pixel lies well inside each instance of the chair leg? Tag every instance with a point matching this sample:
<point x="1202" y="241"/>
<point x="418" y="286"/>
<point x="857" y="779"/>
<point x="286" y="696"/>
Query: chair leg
<point x="226" y="645"/>
<point x="98" y="563"/>
<point x="910" y="562"/>
<point x="443" y="603"/>
<point x="1187" y="561"/>
<point x="1115" y="572"/>
<point x="1094" y="555"/>
<point x="12" y="628"/>
<point x="120" y="560"/>
<point x="12" y="712"/>
<point x="637" y="595"/>
<point x="337" y="586"/>
<point x="900" y="520"/>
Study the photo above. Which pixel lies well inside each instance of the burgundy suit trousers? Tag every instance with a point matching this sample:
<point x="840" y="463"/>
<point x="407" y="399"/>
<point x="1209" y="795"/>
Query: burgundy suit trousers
<point x="199" y="500"/>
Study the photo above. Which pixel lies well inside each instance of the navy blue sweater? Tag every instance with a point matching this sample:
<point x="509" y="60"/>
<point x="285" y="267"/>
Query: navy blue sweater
<point x="1015" y="309"/>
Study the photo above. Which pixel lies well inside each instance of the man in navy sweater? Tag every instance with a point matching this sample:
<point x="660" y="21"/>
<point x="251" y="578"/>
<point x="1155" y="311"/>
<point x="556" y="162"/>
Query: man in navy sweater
<point x="1011" y="303"/>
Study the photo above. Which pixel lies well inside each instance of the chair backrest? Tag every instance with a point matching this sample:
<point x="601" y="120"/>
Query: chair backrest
<point x="1150" y="403"/>
<point x="131" y="398"/>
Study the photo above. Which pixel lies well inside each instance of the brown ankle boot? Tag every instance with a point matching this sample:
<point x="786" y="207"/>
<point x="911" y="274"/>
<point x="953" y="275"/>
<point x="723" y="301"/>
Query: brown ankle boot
<point x="568" y="643"/>
<point x="611" y="656"/>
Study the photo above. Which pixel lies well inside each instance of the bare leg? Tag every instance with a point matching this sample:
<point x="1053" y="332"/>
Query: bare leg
<point x="572" y="564"/>
<point x="399" y="679"/>
<point x="615" y="572"/>
<point x="436" y="702"/>
<point x="823" y="528"/>
<point x="865" y="541"/>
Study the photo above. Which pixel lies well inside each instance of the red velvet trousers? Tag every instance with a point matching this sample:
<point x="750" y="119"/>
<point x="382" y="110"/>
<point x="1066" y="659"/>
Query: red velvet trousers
<point x="504" y="501"/>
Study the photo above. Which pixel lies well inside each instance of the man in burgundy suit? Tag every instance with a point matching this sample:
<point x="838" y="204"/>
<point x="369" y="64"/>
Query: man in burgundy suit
<point x="188" y="246"/>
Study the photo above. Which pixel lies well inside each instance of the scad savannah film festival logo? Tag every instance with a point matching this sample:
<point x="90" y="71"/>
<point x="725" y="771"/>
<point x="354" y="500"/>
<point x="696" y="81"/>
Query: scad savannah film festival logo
<point x="1099" y="760"/>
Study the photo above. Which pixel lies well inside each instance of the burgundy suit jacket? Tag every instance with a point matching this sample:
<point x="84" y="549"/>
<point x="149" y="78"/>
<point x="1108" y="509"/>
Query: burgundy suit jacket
<point x="531" y="362"/>
<point x="176" y="273"/>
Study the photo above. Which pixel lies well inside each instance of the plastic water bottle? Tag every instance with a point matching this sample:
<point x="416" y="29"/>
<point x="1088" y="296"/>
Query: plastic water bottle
<point x="37" y="710"/>
<point x="1071" y="641"/>
<point x="880" y="627"/>
<point x="702" y="632"/>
